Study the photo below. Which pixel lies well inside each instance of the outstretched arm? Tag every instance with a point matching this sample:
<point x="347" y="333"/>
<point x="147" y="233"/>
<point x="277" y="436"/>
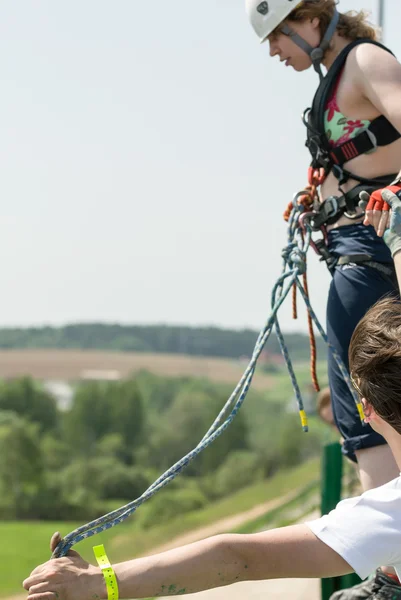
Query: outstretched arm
<point x="217" y="561"/>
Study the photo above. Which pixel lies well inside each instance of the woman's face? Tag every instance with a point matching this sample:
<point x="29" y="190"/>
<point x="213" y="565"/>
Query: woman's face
<point x="282" y="45"/>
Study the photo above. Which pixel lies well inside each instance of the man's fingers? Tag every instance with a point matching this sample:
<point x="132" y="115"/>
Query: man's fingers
<point x="34" y="578"/>
<point x="39" y="588"/>
<point x="35" y="573"/>
<point x="44" y="596"/>
<point x="55" y="540"/>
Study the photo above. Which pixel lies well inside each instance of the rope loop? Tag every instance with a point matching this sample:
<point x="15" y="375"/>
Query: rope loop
<point x="298" y="259"/>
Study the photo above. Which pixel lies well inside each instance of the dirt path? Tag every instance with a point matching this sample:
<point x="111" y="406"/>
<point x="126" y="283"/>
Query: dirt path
<point x="224" y="525"/>
<point x="273" y="589"/>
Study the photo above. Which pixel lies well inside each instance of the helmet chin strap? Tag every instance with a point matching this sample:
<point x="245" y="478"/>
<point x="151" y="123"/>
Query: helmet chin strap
<point x="315" y="54"/>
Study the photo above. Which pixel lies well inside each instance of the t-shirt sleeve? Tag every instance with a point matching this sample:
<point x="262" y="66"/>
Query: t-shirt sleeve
<point x="365" y="531"/>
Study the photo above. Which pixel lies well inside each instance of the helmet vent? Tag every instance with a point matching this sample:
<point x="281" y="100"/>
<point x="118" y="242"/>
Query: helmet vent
<point x="263" y="8"/>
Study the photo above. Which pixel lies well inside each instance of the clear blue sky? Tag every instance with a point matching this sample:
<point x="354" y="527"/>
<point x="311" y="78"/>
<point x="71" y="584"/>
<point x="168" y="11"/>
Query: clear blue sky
<point x="147" y="152"/>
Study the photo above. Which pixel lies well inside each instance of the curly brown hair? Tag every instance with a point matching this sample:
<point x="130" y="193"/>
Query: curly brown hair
<point x="375" y="359"/>
<point x="352" y="25"/>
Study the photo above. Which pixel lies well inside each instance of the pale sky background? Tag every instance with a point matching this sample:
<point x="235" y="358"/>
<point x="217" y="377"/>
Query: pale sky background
<point x="147" y="151"/>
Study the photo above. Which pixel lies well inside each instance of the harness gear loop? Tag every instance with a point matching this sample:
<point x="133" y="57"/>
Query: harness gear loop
<point x="309" y="195"/>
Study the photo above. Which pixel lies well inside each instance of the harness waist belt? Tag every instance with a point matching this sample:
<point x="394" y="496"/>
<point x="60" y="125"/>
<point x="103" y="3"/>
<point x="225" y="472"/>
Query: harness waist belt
<point x="366" y="259"/>
<point x="329" y="211"/>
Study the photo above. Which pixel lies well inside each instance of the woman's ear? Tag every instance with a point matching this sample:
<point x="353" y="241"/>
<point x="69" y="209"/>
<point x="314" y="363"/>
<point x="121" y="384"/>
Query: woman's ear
<point x="315" y="22"/>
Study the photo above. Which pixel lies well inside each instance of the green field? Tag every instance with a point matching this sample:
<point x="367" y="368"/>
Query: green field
<point x="24" y="545"/>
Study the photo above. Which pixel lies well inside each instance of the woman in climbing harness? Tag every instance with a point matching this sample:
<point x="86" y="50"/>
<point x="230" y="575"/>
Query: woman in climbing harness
<point x="360" y="534"/>
<point x="353" y="134"/>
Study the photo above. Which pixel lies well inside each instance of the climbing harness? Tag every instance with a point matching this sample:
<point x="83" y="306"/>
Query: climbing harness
<point x="327" y="159"/>
<point x="329" y="211"/>
<point x="293" y="270"/>
<point x="379" y="133"/>
<point x="317" y="216"/>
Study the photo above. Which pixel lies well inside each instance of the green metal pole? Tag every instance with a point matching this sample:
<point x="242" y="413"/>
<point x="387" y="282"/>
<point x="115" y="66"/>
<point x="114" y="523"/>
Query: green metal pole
<point x="332" y="468"/>
<point x="331" y="483"/>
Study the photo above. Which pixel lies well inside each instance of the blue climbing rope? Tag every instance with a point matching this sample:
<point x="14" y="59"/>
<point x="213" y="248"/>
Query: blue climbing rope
<point x="293" y="266"/>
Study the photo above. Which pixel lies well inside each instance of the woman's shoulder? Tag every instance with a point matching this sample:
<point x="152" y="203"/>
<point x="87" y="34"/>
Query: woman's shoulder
<point x="369" y="54"/>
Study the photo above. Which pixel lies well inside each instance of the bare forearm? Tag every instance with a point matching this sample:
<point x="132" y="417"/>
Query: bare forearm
<point x="221" y="560"/>
<point x="225" y="559"/>
<point x="207" y="564"/>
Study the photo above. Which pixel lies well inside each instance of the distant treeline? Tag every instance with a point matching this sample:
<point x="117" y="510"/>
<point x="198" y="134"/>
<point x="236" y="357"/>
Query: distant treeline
<point x="200" y="341"/>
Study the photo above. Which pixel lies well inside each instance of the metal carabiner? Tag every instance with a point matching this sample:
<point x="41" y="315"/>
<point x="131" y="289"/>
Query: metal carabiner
<point x="307" y="216"/>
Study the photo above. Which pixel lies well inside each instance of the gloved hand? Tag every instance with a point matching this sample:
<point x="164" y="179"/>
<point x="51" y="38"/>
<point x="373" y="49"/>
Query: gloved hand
<point x="392" y="235"/>
<point x="376" y="208"/>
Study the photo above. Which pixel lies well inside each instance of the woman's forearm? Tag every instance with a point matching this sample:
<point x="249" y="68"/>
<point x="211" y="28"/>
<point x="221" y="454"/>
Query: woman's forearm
<point x="203" y="565"/>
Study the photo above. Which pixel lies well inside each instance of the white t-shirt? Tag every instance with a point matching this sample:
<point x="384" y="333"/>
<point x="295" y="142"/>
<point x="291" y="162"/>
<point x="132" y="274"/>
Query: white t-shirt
<point x="365" y="531"/>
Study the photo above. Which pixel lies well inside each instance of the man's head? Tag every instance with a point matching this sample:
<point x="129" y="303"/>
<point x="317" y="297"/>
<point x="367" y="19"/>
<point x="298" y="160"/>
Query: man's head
<point x="375" y="363"/>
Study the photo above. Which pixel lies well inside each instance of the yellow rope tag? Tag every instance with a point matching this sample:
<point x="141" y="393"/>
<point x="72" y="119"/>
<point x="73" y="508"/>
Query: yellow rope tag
<point x="107" y="570"/>
<point x="360" y="410"/>
<point x="304" y="418"/>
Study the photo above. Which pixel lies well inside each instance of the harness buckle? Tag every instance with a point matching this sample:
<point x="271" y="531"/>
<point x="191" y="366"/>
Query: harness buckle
<point x="338" y="172"/>
<point x="332" y="206"/>
<point x="320" y="245"/>
<point x="328" y="209"/>
<point x="373" y="140"/>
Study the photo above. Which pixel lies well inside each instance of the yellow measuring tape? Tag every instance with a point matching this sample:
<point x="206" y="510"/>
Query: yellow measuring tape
<point x="107" y="570"/>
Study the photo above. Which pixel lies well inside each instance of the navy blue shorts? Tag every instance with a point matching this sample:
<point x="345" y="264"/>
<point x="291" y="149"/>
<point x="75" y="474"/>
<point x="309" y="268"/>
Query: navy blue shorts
<point x="353" y="290"/>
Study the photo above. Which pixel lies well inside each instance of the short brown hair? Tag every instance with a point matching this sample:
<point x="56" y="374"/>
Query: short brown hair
<point x="375" y="359"/>
<point x="352" y="25"/>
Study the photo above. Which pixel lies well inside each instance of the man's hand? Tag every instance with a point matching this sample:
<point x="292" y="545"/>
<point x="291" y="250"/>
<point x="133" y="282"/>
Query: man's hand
<point x="67" y="578"/>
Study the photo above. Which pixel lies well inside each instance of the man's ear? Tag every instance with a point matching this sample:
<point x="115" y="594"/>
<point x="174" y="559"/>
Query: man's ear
<point x="368" y="410"/>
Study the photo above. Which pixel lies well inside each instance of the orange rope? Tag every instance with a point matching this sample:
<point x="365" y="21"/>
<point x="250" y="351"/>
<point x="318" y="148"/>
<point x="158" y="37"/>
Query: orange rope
<point x="315" y="179"/>
<point x="294" y="301"/>
<point x="312" y="341"/>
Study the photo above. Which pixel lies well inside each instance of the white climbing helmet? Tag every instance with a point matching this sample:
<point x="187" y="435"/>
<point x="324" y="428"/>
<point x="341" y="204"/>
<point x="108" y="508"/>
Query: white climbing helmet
<point x="265" y="16"/>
